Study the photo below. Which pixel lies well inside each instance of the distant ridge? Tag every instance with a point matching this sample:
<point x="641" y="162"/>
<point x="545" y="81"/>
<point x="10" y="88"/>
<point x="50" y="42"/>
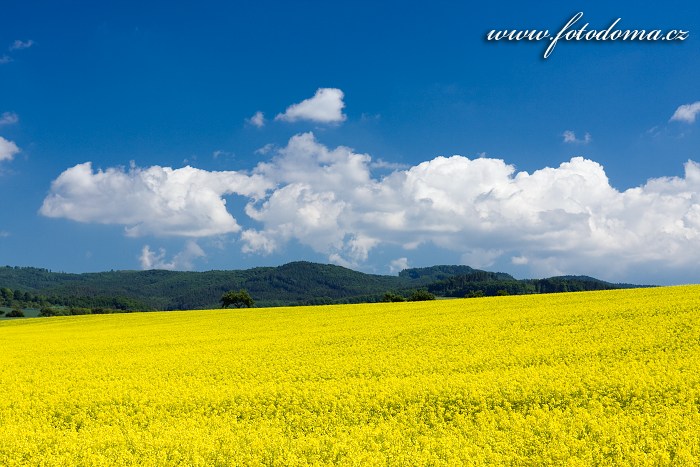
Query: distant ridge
<point x="296" y="283"/>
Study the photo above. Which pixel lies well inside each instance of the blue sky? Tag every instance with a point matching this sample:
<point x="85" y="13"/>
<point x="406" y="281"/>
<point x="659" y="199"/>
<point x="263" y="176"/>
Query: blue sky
<point x="227" y="135"/>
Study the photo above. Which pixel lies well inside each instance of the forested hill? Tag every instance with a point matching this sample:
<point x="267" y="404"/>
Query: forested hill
<point x="477" y="283"/>
<point x="291" y="284"/>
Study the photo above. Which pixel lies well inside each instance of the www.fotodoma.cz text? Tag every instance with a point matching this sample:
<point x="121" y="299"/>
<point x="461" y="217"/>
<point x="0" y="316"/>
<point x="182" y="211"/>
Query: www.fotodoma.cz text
<point x="570" y="32"/>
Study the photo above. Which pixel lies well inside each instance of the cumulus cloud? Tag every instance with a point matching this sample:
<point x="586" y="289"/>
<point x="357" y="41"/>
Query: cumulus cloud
<point x="8" y="149"/>
<point x="326" y="106"/>
<point x="8" y="118"/>
<point x="156" y="200"/>
<point x="686" y="113"/>
<point x="398" y="265"/>
<point x="19" y="45"/>
<point x="313" y="201"/>
<point x="257" y="120"/>
<point x="563" y="219"/>
<point x="382" y="164"/>
<point x="151" y="260"/>
<point x="570" y="137"/>
<point x="182" y="261"/>
<point x="556" y="219"/>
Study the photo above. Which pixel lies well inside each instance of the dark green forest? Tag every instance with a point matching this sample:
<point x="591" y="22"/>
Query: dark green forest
<point x="497" y="283"/>
<point x="297" y="283"/>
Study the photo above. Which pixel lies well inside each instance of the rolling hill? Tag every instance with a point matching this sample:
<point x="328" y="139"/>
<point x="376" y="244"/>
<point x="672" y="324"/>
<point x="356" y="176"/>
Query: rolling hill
<point x="297" y="283"/>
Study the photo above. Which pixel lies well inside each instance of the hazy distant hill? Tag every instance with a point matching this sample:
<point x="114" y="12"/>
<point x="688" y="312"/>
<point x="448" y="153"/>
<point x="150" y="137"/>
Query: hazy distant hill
<point x="295" y="283"/>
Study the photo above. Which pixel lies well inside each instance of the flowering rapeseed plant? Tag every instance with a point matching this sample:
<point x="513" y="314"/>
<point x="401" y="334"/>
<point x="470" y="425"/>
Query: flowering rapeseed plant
<point x="595" y="378"/>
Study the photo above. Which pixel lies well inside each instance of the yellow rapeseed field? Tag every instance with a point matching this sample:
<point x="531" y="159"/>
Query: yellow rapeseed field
<point x="596" y="378"/>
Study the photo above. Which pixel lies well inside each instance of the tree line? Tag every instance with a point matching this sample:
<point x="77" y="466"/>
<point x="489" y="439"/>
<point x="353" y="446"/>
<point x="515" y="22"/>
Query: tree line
<point x="297" y="283"/>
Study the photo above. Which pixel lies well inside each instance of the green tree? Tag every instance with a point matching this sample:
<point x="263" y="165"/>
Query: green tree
<point x="392" y="297"/>
<point x="237" y="299"/>
<point x="48" y="311"/>
<point x="16" y="313"/>
<point x="7" y="294"/>
<point x="420" y="296"/>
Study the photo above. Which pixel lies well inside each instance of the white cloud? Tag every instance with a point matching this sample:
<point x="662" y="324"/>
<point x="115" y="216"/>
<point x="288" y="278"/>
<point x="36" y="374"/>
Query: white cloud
<point x="686" y="113"/>
<point x="8" y="118"/>
<point x="257" y="120"/>
<point x="326" y="106"/>
<point x="156" y="200"/>
<point x="20" y="45"/>
<point x="267" y="149"/>
<point x="480" y="257"/>
<point x="398" y="265"/>
<point x="382" y="164"/>
<point x="519" y="260"/>
<point x="151" y="260"/>
<point x="570" y="137"/>
<point x="566" y="218"/>
<point x="182" y="261"/>
<point x="311" y="204"/>
<point x="8" y="149"/>
<point x="5" y="59"/>
<point x="4" y="233"/>
<point x="556" y="219"/>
